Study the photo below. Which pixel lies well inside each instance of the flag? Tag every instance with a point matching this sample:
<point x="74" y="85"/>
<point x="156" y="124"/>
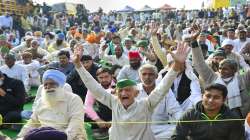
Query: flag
<point x="220" y="3"/>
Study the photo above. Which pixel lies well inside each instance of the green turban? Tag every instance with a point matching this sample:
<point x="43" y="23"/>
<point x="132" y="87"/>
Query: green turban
<point x="125" y="83"/>
<point x="143" y="43"/>
<point x="3" y="37"/>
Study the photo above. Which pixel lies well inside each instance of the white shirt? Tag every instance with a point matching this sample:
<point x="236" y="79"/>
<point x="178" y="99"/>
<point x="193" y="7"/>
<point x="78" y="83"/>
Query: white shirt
<point x="167" y="110"/>
<point x="31" y="68"/>
<point x="6" y="21"/>
<point x="93" y="49"/>
<point x="17" y="72"/>
<point x="128" y="73"/>
<point x="121" y="61"/>
<point x="195" y="96"/>
<point x="239" y="44"/>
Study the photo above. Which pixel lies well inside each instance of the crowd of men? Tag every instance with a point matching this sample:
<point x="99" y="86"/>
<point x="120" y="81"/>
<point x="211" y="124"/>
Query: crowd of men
<point x="177" y="77"/>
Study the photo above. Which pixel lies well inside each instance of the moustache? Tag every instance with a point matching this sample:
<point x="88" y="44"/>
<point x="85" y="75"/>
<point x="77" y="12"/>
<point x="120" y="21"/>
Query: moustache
<point x="50" y="90"/>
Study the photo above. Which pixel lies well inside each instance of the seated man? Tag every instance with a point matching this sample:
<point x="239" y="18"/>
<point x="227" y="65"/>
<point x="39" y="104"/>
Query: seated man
<point x="124" y="106"/>
<point x="57" y="108"/>
<point x="37" y="51"/>
<point x="186" y="86"/>
<point x="211" y="108"/>
<point x="95" y="110"/>
<point x="131" y="71"/>
<point x="74" y="79"/>
<point x="15" y="71"/>
<point x="167" y="110"/>
<point x="118" y="59"/>
<point x="64" y="65"/>
<point x="23" y="46"/>
<point x="228" y="46"/>
<point x="26" y="114"/>
<point x="215" y="58"/>
<point x="245" y="52"/>
<point x="237" y="84"/>
<point x="12" y="97"/>
<point x="31" y="67"/>
<point x="60" y="43"/>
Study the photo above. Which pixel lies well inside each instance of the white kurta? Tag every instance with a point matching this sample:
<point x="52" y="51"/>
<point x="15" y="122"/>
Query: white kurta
<point x="67" y="116"/>
<point x="17" y="72"/>
<point x="31" y="68"/>
<point x="167" y="110"/>
<point x="121" y="61"/>
<point x="195" y="96"/>
<point x="130" y="123"/>
<point x="128" y="73"/>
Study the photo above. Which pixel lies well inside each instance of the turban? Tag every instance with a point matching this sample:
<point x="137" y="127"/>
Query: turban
<point x="10" y="56"/>
<point x="3" y="37"/>
<point x="219" y="53"/>
<point x="60" y="36"/>
<point x="125" y="83"/>
<point x="97" y="29"/>
<point x="28" y="37"/>
<point x="55" y="75"/>
<point x="227" y="42"/>
<point x="113" y="29"/>
<point x="127" y="39"/>
<point x="91" y="38"/>
<point x="105" y="64"/>
<point x="38" y="33"/>
<point x="45" y="133"/>
<point x="142" y="43"/>
<point x="134" y="54"/>
<point x="78" y="35"/>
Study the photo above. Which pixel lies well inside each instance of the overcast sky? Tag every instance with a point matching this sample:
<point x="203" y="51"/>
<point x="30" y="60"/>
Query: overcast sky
<point x="108" y="5"/>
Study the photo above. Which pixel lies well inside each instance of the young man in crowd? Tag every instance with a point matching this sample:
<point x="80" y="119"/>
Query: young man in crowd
<point x="213" y="111"/>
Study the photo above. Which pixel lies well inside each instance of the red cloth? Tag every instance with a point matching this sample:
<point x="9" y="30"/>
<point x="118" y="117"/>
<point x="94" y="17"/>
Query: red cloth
<point x="134" y="54"/>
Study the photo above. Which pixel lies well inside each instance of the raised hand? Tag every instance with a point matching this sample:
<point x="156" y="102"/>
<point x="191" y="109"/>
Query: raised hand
<point x="181" y="53"/>
<point x="196" y="30"/>
<point x="154" y="29"/>
<point x="180" y="56"/>
<point x="78" y="51"/>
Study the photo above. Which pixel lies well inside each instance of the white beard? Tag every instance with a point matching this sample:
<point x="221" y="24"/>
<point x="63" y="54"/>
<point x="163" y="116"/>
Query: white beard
<point x="51" y="96"/>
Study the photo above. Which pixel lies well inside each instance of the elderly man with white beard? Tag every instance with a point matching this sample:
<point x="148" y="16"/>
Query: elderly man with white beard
<point x="57" y="108"/>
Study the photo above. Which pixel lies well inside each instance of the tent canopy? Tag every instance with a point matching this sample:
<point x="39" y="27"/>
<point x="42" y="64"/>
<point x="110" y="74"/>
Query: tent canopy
<point x="127" y="9"/>
<point x="166" y="7"/>
<point x="146" y="8"/>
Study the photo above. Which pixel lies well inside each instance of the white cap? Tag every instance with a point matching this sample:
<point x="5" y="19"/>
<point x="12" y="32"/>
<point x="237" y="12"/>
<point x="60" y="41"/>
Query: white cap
<point x="227" y="42"/>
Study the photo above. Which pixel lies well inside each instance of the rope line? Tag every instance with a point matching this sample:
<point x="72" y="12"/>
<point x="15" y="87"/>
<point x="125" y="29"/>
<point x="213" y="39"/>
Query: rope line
<point x="143" y="122"/>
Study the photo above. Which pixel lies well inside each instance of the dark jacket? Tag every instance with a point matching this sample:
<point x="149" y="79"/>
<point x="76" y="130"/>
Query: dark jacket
<point x="15" y="95"/>
<point x="209" y="130"/>
<point x="76" y="83"/>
